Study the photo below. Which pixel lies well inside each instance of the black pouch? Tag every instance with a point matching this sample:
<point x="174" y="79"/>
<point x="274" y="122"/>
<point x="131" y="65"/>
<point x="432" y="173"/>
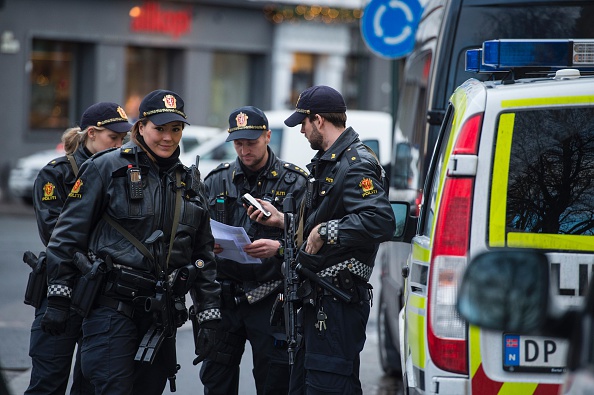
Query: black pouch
<point x="87" y="288"/>
<point x="36" y="289"/>
<point x="345" y="279"/>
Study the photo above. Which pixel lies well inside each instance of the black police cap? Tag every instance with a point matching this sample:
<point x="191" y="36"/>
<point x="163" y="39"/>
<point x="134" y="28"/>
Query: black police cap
<point x="106" y="114"/>
<point x="162" y="106"/>
<point x="319" y="99"/>
<point x="246" y="122"/>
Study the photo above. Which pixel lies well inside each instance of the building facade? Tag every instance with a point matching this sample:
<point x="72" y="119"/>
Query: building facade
<point x="59" y="56"/>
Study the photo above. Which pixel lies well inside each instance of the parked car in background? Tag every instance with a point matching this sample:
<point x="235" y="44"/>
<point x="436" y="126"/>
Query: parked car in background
<point x="23" y="174"/>
<point x="374" y="129"/>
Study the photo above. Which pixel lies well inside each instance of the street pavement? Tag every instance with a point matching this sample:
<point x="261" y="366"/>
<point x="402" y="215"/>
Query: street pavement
<point x="16" y="364"/>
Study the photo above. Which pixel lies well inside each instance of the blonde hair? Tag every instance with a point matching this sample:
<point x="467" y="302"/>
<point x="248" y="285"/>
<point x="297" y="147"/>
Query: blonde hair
<point x="72" y="138"/>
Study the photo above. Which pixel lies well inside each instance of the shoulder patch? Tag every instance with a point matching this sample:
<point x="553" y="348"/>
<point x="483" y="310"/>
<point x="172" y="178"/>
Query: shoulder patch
<point x="351" y="155"/>
<point x="296" y="169"/>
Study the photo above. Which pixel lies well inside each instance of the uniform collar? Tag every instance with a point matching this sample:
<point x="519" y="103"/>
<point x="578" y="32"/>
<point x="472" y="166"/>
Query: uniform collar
<point x="271" y="170"/>
<point x="343" y="141"/>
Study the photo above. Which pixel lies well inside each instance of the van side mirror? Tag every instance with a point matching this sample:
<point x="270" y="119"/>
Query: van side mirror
<point x="406" y="225"/>
<point x="506" y="290"/>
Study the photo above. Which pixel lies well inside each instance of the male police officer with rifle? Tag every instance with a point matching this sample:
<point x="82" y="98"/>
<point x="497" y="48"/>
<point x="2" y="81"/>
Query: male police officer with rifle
<point x="346" y="214"/>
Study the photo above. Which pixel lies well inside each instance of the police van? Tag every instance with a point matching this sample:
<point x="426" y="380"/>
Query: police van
<point x="447" y="29"/>
<point x="513" y="167"/>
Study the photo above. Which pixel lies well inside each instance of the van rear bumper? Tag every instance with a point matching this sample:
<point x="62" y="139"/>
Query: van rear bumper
<point x="450" y="386"/>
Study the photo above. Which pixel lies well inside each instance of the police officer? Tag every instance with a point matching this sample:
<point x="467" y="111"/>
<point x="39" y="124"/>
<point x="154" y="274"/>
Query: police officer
<point x="346" y="215"/>
<point x="103" y="125"/>
<point x="249" y="290"/>
<point x="137" y="212"/>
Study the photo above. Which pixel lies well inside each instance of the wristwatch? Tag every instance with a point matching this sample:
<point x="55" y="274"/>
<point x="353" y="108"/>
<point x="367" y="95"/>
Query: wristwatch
<point x="281" y="249"/>
<point x="323" y="232"/>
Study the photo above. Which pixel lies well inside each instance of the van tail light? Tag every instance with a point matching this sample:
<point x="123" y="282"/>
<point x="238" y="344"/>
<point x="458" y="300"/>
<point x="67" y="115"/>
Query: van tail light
<point x="446" y="334"/>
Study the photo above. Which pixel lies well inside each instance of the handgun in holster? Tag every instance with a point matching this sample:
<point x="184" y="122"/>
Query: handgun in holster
<point x="36" y="289"/>
<point x="89" y="284"/>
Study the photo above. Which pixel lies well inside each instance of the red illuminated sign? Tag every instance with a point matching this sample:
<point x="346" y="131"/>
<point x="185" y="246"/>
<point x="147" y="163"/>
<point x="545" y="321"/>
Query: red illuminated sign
<point x="152" y="18"/>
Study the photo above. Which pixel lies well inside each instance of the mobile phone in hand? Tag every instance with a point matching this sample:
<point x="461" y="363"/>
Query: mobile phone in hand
<point x="250" y="201"/>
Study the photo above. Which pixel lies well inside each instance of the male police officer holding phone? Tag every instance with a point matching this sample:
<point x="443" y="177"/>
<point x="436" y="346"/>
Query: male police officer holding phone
<point x="346" y="215"/>
<point x="249" y="290"/>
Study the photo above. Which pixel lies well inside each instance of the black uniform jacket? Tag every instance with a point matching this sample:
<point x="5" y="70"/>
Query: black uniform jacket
<point x="274" y="182"/>
<point x="103" y="187"/>
<point x="351" y="196"/>
<point x="51" y="188"/>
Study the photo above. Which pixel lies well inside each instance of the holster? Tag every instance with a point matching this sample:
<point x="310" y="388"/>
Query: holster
<point x="36" y="289"/>
<point x="125" y="284"/>
<point x="88" y="286"/>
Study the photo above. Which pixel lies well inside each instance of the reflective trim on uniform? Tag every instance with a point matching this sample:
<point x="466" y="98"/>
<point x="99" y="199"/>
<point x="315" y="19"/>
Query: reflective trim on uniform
<point x="356" y="267"/>
<point x="262" y="291"/>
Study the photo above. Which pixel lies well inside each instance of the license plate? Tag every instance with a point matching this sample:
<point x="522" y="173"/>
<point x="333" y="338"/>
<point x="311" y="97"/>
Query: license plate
<point x="534" y="354"/>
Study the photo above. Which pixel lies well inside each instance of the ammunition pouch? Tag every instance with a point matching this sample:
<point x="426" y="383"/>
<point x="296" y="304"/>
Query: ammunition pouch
<point x="87" y="288"/>
<point x="36" y="289"/>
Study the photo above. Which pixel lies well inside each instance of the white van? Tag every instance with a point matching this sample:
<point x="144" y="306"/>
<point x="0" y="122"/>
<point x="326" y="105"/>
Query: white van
<point x="374" y="129"/>
<point x="512" y="169"/>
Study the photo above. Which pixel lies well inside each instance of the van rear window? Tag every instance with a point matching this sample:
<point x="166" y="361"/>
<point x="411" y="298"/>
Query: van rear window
<point x="544" y="172"/>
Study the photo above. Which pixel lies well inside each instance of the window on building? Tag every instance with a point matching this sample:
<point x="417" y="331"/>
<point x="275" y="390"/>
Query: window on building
<point x="146" y="70"/>
<point x="303" y="75"/>
<point x="53" y="65"/>
<point x="230" y="85"/>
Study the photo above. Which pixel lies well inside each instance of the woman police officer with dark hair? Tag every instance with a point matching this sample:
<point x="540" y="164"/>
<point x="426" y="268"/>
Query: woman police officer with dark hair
<point x="126" y="204"/>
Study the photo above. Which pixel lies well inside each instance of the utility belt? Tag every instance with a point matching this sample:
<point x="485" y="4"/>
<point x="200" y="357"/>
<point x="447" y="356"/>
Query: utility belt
<point x="350" y="276"/>
<point x="234" y="293"/>
<point x="125" y="289"/>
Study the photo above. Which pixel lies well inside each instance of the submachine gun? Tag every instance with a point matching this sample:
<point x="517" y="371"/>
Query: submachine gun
<point x="293" y="271"/>
<point x="163" y="327"/>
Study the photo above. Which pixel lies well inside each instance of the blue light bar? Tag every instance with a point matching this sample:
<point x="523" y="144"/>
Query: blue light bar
<point x="474" y="63"/>
<point x="538" y="53"/>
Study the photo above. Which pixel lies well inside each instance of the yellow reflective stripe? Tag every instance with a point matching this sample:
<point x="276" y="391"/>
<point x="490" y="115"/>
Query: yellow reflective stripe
<point x="416" y="331"/>
<point x="547" y="241"/>
<point x="540" y="101"/>
<point x="517" y="388"/>
<point x="500" y="179"/>
<point x="417" y="301"/>
<point x="420" y="254"/>
<point x="474" y="337"/>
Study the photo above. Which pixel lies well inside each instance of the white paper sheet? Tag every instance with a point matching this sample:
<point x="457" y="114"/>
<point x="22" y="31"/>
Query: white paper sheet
<point x="232" y="239"/>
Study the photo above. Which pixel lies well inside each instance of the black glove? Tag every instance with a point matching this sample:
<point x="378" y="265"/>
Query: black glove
<point x="55" y="317"/>
<point x="205" y="340"/>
